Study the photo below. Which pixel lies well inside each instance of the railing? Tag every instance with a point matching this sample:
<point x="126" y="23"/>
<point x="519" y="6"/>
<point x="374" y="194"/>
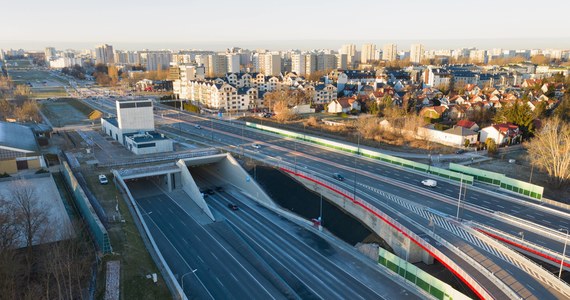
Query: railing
<point x="524" y="245"/>
<point x="451" y="265"/>
<point x="367" y="153"/>
<point x="529" y="266"/>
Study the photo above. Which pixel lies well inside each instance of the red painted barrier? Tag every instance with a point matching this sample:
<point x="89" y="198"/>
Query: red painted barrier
<point x="554" y="259"/>
<point x="351" y="198"/>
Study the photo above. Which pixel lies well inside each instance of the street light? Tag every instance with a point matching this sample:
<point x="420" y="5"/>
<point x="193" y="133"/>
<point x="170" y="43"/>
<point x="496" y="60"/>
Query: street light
<point x="459" y="197"/>
<point x="522" y="236"/>
<point x="563" y="252"/>
<point x="354" y="169"/>
<point x="182" y="278"/>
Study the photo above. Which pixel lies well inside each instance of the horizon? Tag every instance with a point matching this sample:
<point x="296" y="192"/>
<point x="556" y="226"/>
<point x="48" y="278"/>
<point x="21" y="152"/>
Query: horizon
<point x="304" y="45"/>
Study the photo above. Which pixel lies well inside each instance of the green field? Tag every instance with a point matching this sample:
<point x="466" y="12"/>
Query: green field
<point x="33" y="76"/>
<point x="49" y="92"/>
<point x="66" y="112"/>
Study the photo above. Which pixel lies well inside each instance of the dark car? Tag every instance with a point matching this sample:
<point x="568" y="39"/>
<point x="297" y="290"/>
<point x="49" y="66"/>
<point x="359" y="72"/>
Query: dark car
<point x="338" y="176"/>
<point x="209" y="191"/>
<point x="232" y="206"/>
<point x="460" y="151"/>
<point x="219" y="189"/>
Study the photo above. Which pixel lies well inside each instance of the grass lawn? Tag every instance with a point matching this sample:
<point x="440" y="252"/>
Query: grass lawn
<point x="33" y="76"/>
<point x="128" y="247"/>
<point x="67" y="111"/>
<point x="49" y="92"/>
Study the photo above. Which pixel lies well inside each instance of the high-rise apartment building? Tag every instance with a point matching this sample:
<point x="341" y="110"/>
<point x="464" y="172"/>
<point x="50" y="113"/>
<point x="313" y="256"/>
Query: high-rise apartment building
<point x="50" y="53"/>
<point x="416" y="53"/>
<point x="233" y="62"/>
<point x="390" y="52"/>
<point x="350" y="51"/>
<point x="341" y="61"/>
<point x="104" y="54"/>
<point x="367" y="53"/>
<point x="267" y="63"/>
<point x="156" y="60"/>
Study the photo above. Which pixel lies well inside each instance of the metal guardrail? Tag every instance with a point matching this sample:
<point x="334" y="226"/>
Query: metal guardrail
<point x="525" y="245"/>
<point x="172" y="157"/>
<point x="527" y="265"/>
<point x="451" y="265"/>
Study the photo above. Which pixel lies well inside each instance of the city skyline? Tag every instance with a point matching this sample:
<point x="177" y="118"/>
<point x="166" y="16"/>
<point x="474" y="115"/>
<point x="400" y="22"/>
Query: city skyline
<point x="300" y="25"/>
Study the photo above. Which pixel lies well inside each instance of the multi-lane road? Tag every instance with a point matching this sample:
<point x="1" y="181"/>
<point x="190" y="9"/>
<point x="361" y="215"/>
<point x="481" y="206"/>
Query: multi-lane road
<point x="365" y="176"/>
<point x="253" y="253"/>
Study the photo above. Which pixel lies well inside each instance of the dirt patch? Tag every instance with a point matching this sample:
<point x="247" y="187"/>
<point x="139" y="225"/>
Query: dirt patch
<point x="522" y="170"/>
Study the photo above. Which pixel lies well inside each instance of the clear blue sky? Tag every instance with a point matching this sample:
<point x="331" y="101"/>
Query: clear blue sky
<point x="283" y="24"/>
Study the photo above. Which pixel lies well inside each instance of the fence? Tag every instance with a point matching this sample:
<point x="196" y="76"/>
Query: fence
<point x="422" y="279"/>
<point x="368" y="153"/>
<point x="96" y="228"/>
<point x="517" y="186"/>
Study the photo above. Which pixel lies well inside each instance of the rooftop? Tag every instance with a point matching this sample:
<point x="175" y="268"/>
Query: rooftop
<point x="18" y="137"/>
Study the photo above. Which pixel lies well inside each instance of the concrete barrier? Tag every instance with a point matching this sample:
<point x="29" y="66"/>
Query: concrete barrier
<point x="148" y="240"/>
<point x="189" y="186"/>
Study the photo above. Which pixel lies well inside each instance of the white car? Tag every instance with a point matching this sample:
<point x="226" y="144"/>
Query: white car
<point x="429" y="182"/>
<point x="197" y="126"/>
<point x="256" y="146"/>
<point x="103" y="179"/>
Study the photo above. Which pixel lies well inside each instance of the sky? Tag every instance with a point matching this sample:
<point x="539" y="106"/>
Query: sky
<point x="280" y="25"/>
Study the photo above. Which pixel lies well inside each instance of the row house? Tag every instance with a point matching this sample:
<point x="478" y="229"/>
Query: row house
<point x="324" y="93"/>
<point x="222" y="96"/>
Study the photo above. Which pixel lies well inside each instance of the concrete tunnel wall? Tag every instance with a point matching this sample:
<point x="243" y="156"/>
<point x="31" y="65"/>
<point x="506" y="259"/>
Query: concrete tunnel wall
<point x="231" y="171"/>
<point x="403" y="247"/>
<point x="189" y="186"/>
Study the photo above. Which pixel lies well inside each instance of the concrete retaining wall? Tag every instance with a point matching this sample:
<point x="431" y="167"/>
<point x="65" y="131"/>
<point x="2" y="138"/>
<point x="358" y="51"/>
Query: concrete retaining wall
<point x="402" y="246"/>
<point x="234" y="173"/>
<point x="189" y="186"/>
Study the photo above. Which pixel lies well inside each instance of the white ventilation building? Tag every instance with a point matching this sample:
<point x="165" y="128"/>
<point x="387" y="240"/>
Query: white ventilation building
<point x="134" y="127"/>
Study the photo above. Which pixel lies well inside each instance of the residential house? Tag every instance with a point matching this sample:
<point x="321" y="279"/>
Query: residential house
<point x="455" y="136"/>
<point x="434" y="112"/>
<point x="343" y="105"/>
<point x="468" y="124"/>
<point x="504" y="133"/>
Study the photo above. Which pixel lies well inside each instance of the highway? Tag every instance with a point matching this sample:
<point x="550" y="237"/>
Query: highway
<point x="365" y="176"/>
<point x="375" y="174"/>
<point x="253" y="253"/>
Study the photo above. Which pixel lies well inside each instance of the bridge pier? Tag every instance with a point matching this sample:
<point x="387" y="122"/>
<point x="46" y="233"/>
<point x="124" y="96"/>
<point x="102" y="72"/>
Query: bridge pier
<point x="402" y="246"/>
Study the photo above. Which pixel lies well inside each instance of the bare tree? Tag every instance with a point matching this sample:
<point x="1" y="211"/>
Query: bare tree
<point x="549" y="150"/>
<point x="9" y="236"/>
<point x="31" y="217"/>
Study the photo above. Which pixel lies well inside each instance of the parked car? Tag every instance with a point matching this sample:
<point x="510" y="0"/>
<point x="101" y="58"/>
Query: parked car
<point x="429" y="182"/>
<point x="209" y="191"/>
<point x="232" y="206"/>
<point x="103" y="179"/>
<point x="460" y="151"/>
<point x="338" y="176"/>
<point x="197" y="126"/>
<point x="219" y="189"/>
<point x="256" y="146"/>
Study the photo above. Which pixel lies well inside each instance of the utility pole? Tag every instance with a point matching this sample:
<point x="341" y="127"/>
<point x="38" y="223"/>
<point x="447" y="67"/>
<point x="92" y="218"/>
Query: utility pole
<point x="459" y="197"/>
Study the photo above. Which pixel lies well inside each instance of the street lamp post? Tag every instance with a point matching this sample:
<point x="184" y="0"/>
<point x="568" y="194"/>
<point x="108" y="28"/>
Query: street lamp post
<point x="182" y="278"/>
<point x="354" y="169"/>
<point x="459" y="197"/>
<point x="522" y="236"/>
<point x="563" y="252"/>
